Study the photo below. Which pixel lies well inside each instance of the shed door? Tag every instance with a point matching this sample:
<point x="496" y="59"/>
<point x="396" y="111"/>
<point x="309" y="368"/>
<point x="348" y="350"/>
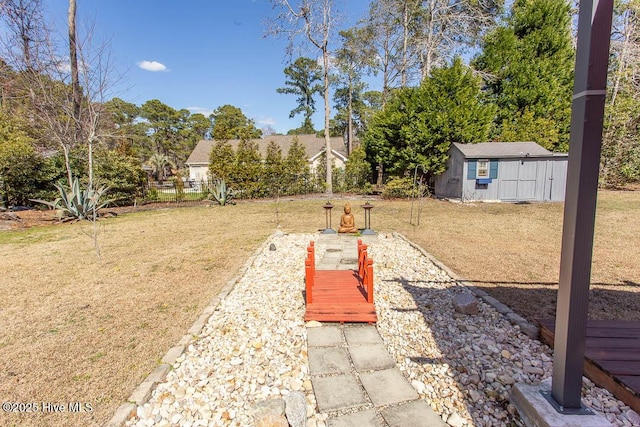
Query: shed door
<point x="518" y="180"/>
<point x="557" y="176"/>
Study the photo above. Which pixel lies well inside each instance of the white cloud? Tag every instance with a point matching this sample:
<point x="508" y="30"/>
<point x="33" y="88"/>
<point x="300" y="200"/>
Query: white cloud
<point x="333" y="62"/>
<point x="64" y="67"/>
<point x="267" y="121"/>
<point x="206" y="111"/>
<point x="152" y="66"/>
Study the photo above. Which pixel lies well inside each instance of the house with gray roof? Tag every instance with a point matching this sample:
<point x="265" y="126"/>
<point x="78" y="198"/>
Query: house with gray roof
<point x="503" y="171"/>
<point x="198" y="161"/>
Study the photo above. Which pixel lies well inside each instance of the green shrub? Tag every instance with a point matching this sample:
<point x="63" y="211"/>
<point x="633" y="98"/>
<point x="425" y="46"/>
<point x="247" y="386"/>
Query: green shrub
<point x="178" y="184"/>
<point x="358" y="173"/>
<point x="122" y="174"/>
<point x="152" y="195"/>
<point x="24" y="174"/>
<point x="398" y="188"/>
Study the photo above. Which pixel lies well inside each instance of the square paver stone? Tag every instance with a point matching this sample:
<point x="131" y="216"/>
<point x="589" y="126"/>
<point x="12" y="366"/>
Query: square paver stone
<point x="413" y="414"/>
<point x="357" y="419"/>
<point x="328" y="360"/>
<point x="350" y="251"/>
<point x="328" y="264"/>
<point x="332" y="256"/>
<point x="339" y="392"/>
<point x="325" y="336"/>
<point x="371" y="357"/>
<point x="387" y="387"/>
<point x="361" y="335"/>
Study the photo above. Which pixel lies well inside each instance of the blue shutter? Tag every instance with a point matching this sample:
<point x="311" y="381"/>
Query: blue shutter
<point x="493" y="169"/>
<point x="471" y="171"/>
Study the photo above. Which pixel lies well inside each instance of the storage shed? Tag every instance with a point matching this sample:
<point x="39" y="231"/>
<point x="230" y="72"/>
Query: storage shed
<point x="503" y="171"/>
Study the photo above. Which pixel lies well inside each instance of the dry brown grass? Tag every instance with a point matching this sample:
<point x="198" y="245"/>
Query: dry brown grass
<point x="79" y="329"/>
<point x="76" y="329"/>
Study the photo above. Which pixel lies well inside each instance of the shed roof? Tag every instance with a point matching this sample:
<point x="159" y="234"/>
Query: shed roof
<point x="313" y="145"/>
<point x="498" y="150"/>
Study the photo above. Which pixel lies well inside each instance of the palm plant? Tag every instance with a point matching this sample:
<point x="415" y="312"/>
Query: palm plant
<point x="159" y="162"/>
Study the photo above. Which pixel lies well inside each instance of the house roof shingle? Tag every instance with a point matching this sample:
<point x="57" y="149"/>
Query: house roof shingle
<point x="497" y="150"/>
<point x="313" y="145"/>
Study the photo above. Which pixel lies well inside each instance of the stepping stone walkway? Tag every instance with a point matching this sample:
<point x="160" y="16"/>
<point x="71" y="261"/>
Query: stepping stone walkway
<point x="355" y="380"/>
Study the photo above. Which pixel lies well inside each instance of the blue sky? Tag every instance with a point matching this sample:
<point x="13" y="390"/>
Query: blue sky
<point x="198" y="54"/>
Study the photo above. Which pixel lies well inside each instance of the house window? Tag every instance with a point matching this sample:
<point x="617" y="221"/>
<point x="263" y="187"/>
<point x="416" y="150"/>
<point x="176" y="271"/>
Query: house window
<point x="482" y="170"/>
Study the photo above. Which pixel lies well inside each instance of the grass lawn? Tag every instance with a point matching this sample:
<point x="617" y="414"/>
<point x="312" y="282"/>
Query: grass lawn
<point x="79" y="329"/>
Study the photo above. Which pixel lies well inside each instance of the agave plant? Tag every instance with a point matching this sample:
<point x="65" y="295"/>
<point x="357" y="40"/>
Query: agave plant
<point x="76" y="203"/>
<point x="221" y="193"/>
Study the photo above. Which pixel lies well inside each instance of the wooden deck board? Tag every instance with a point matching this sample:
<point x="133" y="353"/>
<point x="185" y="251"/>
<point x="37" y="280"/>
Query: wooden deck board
<point x="612" y="356"/>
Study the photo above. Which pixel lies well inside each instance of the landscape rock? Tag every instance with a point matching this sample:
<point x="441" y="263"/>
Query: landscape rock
<point x="633" y="417"/>
<point x="271" y="421"/>
<point x="313" y="324"/>
<point x="265" y="407"/>
<point x="251" y="352"/>
<point x="455" y="420"/>
<point x="296" y="409"/>
<point x="9" y="216"/>
<point x="465" y="303"/>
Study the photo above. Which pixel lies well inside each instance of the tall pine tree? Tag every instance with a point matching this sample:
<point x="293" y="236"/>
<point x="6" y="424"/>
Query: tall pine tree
<point x="528" y="66"/>
<point x="303" y="77"/>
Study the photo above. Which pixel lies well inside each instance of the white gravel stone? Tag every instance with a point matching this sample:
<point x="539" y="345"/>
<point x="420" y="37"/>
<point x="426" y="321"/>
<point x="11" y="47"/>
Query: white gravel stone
<point x="253" y="346"/>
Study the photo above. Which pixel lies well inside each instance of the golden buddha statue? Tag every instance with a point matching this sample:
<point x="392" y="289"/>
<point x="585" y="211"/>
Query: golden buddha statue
<point x="347" y="221"/>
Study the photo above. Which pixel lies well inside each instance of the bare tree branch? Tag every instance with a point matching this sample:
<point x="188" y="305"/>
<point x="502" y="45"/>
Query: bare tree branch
<point x="315" y="21"/>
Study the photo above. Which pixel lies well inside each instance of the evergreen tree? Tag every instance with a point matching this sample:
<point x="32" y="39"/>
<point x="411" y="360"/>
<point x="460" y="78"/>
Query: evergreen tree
<point x="302" y="80"/>
<point x="305" y="129"/>
<point x="221" y="161"/>
<point x="229" y="122"/>
<point x="296" y="168"/>
<point x="418" y="125"/>
<point x="525" y="126"/>
<point x="125" y="133"/>
<point x="529" y="67"/>
<point x="248" y="170"/>
<point x="352" y="58"/>
<point x="357" y="171"/>
<point x="274" y="169"/>
<point x="122" y="174"/>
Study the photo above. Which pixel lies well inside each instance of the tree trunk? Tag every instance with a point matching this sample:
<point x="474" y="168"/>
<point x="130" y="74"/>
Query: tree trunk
<point x="622" y="58"/>
<point x="327" y="112"/>
<point x="350" y="118"/>
<point x="405" y="42"/>
<point x="73" y="62"/>
<point x="427" y="54"/>
<point x="67" y="164"/>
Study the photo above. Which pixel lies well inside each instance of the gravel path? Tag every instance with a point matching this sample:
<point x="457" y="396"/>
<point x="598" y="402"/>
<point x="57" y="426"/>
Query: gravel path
<point x="254" y="346"/>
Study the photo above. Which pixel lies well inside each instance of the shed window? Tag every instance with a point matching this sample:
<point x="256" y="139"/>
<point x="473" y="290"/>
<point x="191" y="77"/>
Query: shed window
<point x="483" y="169"/>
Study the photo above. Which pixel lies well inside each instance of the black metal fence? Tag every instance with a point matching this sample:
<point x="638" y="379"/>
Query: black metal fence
<point x="186" y="191"/>
<point x="176" y="191"/>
